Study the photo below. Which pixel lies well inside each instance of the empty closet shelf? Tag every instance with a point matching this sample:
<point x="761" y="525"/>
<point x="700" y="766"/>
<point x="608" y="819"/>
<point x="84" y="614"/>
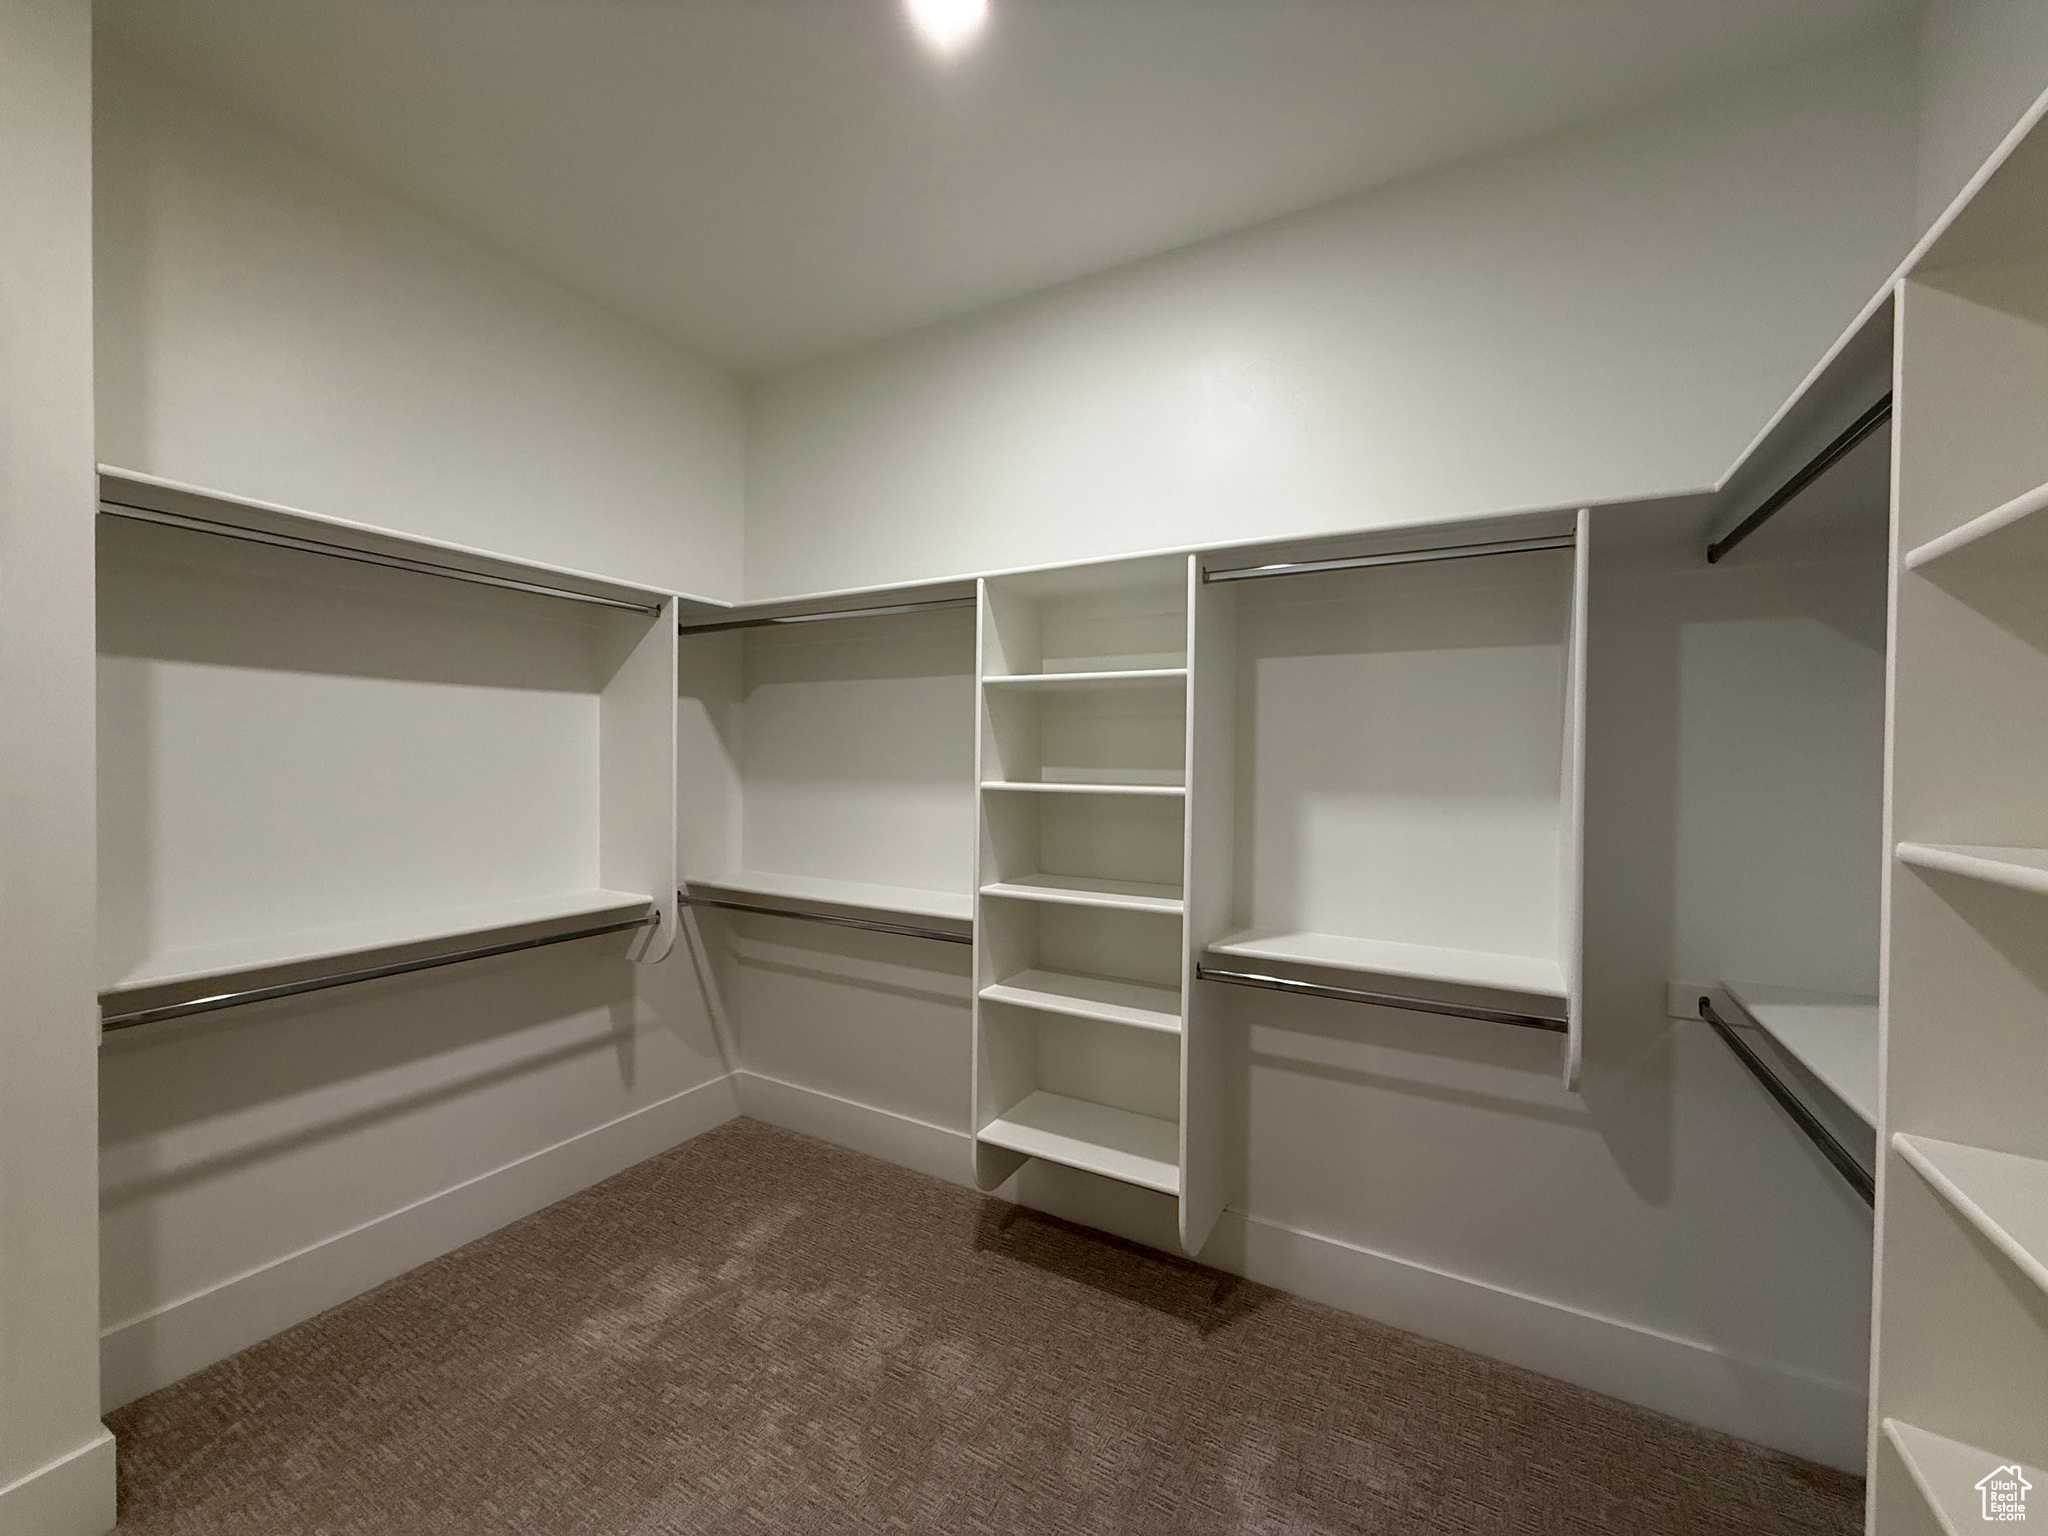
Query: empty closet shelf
<point x="1948" y="1473"/>
<point x="901" y="900"/>
<point x="2024" y="869"/>
<point x="1521" y="975"/>
<point x="353" y="946"/>
<point x="1116" y="1143"/>
<point x="2001" y="1194"/>
<point x="1060" y="787"/>
<point x="1833" y="1036"/>
<point x="1091" y="997"/>
<point x="1063" y="682"/>
<point x="1074" y="890"/>
<point x="2013" y="534"/>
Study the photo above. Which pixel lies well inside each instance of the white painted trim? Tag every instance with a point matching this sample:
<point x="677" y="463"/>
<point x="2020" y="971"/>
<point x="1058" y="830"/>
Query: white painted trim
<point x="1757" y="1400"/>
<point x="72" y="1496"/>
<point x="140" y="1354"/>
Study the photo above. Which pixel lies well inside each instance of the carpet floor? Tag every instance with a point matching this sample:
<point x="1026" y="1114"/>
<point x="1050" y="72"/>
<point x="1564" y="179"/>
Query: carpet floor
<point x="757" y="1332"/>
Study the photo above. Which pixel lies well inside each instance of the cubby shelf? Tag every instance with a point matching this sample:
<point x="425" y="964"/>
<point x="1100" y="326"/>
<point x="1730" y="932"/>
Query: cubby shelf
<point x="371" y="941"/>
<point x="900" y="900"/>
<point x="1063" y="682"/>
<point x="1058" y="787"/>
<point x="1079" y="891"/>
<point x="1946" y="1472"/>
<point x="2001" y="1194"/>
<point x="1524" y="975"/>
<point x="1091" y="997"/>
<point x="1833" y="1036"/>
<point x="2024" y="869"/>
<point x="1137" y="1149"/>
<point x="2013" y="534"/>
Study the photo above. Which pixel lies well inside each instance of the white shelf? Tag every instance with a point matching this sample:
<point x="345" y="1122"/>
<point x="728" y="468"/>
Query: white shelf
<point x="2024" y="869"/>
<point x="2001" y="1194"/>
<point x="1063" y="682"/>
<point x="1947" y="1473"/>
<point x="2019" y="531"/>
<point x="901" y="900"/>
<point x="1834" y="1037"/>
<point x="1524" y="975"/>
<point x="368" y="941"/>
<point x="1037" y="787"/>
<point x="134" y="490"/>
<point x="1079" y="891"/>
<point x="1136" y="1149"/>
<point x="1091" y="997"/>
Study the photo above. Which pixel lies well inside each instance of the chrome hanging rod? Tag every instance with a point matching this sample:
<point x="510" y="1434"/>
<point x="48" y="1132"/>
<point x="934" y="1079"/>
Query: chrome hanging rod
<point x="819" y="618"/>
<point x="869" y="924"/>
<point x="1396" y="557"/>
<point x="1807" y="473"/>
<point x="1859" y="1178"/>
<point x="1381" y="999"/>
<point x="111" y="1022"/>
<point x="359" y="556"/>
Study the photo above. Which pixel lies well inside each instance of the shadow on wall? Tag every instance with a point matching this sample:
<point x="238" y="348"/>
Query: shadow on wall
<point x="202" y="1109"/>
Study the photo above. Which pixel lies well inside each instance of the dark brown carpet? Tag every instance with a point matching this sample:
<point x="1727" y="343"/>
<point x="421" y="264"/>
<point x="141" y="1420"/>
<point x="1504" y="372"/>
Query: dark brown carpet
<point x="761" y="1333"/>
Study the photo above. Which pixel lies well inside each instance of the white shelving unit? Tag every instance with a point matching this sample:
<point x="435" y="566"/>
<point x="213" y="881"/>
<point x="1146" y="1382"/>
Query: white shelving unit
<point x="1405" y="807"/>
<point x="1961" y="1334"/>
<point x="436" y="750"/>
<point x="1082" y="1041"/>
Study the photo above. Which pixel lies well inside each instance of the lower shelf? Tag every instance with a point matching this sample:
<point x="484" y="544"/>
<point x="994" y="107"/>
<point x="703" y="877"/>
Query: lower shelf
<point x="252" y="962"/>
<point x="1523" y="975"/>
<point x="1136" y="1149"/>
<point x="1833" y="1036"/>
<point x="1091" y="997"/>
<point x="899" y="900"/>
<point x="1961" y="1484"/>
<point x="2001" y="1194"/>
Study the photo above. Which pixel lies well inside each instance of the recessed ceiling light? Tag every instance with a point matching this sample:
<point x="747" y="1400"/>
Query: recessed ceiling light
<point x="947" y="26"/>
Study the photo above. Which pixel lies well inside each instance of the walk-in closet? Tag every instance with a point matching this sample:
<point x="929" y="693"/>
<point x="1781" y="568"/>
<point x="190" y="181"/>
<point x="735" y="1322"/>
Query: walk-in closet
<point x="938" y="765"/>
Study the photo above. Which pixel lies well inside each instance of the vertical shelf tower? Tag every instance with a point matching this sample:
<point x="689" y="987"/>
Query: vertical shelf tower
<point x="1083" y="1054"/>
<point x="1959" y="1408"/>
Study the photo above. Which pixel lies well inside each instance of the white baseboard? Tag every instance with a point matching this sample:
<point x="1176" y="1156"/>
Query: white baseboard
<point x="1757" y="1400"/>
<point x="72" y="1496"/>
<point x="934" y="1149"/>
<point x="141" y="1354"/>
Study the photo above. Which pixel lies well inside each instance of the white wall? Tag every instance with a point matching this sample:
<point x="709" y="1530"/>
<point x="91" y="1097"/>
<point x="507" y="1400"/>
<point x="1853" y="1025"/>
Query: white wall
<point x="56" y="1463"/>
<point x="1607" y="314"/>
<point x="270" y="327"/>
<point x="1982" y="64"/>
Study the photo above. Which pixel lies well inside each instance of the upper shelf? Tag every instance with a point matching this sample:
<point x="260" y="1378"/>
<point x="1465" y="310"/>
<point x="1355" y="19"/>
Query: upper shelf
<point x="2024" y="869"/>
<point x="248" y="962"/>
<point x="898" y="900"/>
<point x="2013" y="534"/>
<point x="1832" y="1036"/>
<point x="1523" y="975"/>
<point x="126" y="492"/>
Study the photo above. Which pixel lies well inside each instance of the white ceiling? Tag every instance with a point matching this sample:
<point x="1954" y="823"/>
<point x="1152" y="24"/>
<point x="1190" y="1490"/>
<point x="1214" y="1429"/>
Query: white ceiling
<point x="768" y="180"/>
